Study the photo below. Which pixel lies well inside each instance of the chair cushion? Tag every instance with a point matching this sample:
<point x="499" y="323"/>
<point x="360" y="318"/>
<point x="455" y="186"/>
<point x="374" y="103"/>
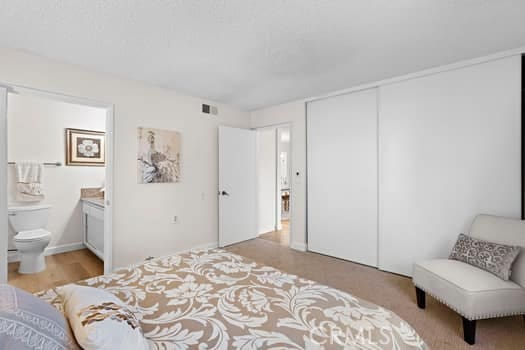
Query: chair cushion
<point x="472" y="292"/>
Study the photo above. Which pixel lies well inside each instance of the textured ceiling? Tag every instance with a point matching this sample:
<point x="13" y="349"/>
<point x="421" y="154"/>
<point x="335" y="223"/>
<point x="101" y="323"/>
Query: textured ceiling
<point x="255" y="53"/>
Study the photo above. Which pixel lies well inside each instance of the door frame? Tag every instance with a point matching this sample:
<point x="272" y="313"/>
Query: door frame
<point x="277" y="185"/>
<point x="109" y="167"/>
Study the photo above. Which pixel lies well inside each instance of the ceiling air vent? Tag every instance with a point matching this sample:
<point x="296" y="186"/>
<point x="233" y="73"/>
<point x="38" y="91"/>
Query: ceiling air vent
<point x="207" y="109"/>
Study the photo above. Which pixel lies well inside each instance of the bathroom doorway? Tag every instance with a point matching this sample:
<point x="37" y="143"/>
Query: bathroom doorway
<point x="57" y="169"/>
<point x="274" y="185"/>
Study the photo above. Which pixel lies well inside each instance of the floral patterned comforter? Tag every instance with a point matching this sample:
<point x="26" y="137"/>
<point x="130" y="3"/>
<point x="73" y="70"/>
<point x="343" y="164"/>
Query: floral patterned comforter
<point x="212" y="299"/>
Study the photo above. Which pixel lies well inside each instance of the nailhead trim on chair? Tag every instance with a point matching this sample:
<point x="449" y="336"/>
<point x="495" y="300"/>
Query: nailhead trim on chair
<point x="471" y="318"/>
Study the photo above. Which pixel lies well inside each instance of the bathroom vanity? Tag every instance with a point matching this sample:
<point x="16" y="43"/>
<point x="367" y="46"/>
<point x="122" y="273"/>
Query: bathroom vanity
<point x="93" y="224"/>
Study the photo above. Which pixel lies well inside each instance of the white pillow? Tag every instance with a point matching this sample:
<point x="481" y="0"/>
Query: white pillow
<point x="100" y="320"/>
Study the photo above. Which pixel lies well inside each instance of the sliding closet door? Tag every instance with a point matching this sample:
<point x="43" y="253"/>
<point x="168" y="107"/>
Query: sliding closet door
<point x="342" y="176"/>
<point x="449" y="149"/>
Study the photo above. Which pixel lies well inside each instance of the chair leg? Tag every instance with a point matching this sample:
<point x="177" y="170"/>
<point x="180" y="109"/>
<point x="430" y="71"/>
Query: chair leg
<point x="469" y="331"/>
<point x="420" y="296"/>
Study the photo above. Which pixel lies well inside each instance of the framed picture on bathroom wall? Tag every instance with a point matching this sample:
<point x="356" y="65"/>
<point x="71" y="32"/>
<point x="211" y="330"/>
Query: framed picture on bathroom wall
<point x="85" y="147"/>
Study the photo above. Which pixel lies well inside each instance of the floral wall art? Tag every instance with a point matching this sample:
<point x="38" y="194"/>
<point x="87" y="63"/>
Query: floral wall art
<point x="85" y="147"/>
<point x="158" y="158"/>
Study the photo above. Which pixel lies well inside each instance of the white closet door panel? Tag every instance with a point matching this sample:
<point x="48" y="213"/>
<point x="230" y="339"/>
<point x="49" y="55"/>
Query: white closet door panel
<point x="449" y="149"/>
<point x="342" y="176"/>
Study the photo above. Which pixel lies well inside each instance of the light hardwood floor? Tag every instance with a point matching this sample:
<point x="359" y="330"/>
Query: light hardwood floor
<point x="280" y="236"/>
<point x="439" y="326"/>
<point x="61" y="269"/>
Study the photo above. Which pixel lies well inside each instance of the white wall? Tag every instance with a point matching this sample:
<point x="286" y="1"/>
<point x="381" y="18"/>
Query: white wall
<point x="283" y="172"/>
<point x="294" y="114"/>
<point x="450" y="148"/>
<point x="143" y="213"/>
<point x="284" y="147"/>
<point x="266" y="180"/>
<point x="36" y="129"/>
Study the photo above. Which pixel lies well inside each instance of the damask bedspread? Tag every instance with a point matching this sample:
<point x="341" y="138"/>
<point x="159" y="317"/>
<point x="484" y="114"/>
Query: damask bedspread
<point x="213" y="299"/>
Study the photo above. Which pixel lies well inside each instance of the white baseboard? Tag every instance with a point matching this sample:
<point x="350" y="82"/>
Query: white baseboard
<point x="266" y="230"/>
<point x="63" y="248"/>
<point x="298" y="246"/>
<point x="210" y="245"/>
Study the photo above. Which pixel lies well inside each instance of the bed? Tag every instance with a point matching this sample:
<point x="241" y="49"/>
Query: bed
<point x="213" y="299"/>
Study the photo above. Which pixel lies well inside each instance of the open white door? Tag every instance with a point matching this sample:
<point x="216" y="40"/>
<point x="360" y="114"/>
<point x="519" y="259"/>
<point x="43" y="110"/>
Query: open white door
<point x="237" y="185"/>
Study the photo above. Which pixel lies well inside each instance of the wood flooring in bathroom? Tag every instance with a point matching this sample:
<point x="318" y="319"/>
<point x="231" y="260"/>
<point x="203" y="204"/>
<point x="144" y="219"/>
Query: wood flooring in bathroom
<point x="61" y="269"/>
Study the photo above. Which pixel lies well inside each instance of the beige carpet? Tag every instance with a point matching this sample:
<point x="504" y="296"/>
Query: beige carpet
<point x="439" y="326"/>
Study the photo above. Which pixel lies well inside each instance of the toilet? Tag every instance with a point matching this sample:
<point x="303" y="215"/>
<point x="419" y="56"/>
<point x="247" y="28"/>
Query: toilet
<point x="31" y="238"/>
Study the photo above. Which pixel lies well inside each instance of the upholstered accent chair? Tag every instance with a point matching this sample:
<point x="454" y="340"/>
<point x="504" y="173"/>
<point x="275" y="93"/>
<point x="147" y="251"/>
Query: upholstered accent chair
<point x="472" y="292"/>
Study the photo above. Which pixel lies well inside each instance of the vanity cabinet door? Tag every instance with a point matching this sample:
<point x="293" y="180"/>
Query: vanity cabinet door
<point x="94" y="229"/>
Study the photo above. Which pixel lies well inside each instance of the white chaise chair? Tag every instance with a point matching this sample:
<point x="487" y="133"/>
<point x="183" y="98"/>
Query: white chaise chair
<point x="472" y="292"/>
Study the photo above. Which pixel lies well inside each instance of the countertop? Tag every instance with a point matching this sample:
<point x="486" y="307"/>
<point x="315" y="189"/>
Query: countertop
<point x="95" y="201"/>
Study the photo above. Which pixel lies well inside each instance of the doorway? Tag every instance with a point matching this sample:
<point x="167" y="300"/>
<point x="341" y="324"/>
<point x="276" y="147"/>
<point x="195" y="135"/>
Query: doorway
<point x="273" y="178"/>
<point x="68" y="142"/>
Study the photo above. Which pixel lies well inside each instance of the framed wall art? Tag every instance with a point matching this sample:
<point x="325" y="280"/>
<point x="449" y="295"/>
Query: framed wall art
<point x="158" y="156"/>
<point x="85" y="147"/>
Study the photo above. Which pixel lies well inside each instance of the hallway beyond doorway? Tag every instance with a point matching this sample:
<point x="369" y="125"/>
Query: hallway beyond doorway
<point x="281" y="236"/>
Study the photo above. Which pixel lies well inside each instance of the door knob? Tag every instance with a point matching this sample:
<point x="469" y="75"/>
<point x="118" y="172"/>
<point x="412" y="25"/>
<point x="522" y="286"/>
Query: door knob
<point x="224" y="193"/>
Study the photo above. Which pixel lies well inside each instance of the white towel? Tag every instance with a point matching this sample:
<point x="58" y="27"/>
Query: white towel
<point x="29" y="181"/>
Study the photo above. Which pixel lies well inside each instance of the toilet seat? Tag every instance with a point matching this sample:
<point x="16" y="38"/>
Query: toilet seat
<point x="32" y="235"/>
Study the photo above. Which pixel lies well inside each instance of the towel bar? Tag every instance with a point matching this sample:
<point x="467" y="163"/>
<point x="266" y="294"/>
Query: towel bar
<point x="45" y="163"/>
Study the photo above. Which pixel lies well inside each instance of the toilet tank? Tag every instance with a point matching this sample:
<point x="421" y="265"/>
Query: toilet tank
<point x="25" y="218"/>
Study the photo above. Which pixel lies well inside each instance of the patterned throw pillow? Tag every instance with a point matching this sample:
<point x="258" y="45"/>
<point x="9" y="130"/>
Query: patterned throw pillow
<point x="100" y="320"/>
<point x="493" y="257"/>
<point x="27" y="322"/>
